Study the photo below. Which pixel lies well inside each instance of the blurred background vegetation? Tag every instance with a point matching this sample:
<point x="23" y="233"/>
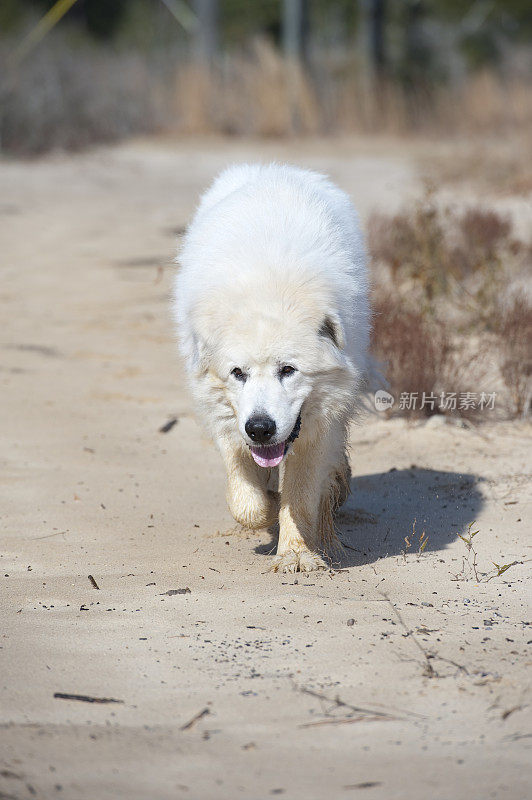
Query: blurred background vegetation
<point x="98" y="70"/>
<point x="451" y="282"/>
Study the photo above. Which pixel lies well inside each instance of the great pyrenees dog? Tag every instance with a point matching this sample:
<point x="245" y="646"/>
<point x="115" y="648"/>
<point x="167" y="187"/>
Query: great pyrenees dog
<point x="271" y="304"/>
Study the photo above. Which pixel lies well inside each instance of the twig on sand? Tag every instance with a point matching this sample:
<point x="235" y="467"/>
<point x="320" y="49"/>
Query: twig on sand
<point x="93" y="582"/>
<point x="362" y="714"/>
<point x="196" y="718"/>
<point x="168" y="425"/>
<point x="336" y="701"/>
<point x="85" y="698"/>
<point x="346" y="720"/>
<point x="428" y="669"/>
<point x="49" y="535"/>
<point x="364" y="785"/>
<point x="350" y="547"/>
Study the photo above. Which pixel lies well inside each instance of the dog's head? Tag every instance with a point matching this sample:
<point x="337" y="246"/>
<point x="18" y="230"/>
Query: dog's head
<point x="275" y="360"/>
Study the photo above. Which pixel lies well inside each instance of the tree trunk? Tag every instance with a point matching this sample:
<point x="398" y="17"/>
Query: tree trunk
<point x="295" y="29"/>
<point x="207" y="40"/>
<point x="377" y="43"/>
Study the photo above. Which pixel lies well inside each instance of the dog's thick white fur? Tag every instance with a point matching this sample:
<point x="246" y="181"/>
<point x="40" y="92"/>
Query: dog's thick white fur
<point x="271" y="304"/>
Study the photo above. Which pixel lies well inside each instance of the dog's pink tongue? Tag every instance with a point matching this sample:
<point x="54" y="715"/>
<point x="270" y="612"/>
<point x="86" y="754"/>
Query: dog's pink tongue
<point x="269" y="455"/>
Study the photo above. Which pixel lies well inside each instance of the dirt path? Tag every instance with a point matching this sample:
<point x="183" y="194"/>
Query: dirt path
<point x="229" y="688"/>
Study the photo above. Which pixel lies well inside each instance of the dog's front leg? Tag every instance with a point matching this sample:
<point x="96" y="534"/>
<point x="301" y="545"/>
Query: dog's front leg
<point x="248" y="498"/>
<point x="304" y="473"/>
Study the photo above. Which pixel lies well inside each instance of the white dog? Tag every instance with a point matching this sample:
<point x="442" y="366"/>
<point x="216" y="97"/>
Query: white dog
<point x="273" y="317"/>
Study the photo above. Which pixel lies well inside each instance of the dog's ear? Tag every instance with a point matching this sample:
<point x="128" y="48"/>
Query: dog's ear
<point x="331" y="328"/>
<point x="199" y="359"/>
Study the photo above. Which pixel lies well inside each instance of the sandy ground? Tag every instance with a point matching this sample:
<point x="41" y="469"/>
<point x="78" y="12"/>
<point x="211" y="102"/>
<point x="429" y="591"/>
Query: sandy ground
<point x="248" y="684"/>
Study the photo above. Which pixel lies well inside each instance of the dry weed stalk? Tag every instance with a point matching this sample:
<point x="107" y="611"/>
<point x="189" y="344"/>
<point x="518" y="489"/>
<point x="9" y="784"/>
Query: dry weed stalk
<point x="411" y="540"/>
<point x="470" y="561"/>
<point x="513" y="326"/>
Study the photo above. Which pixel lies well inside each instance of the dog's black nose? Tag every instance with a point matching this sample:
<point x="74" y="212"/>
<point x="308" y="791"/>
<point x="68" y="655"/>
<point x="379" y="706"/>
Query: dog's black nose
<point x="260" y="429"/>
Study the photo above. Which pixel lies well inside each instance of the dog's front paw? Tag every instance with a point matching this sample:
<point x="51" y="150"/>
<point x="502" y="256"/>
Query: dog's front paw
<point x="254" y="511"/>
<point x="297" y="561"/>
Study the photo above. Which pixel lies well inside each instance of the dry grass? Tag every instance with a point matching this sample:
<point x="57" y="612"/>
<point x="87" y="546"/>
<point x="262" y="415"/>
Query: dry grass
<point x="435" y="248"/>
<point x="259" y="93"/>
<point x="513" y="326"/>
<point x="71" y="94"/>
<point x="65" y="98"/>
<point x="254" y="94"/>
<point x="444" y="320"/>
<point x="400" y="332"/>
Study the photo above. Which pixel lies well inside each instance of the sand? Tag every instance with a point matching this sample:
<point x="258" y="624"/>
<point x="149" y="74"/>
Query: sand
<point x="399" y="676"/>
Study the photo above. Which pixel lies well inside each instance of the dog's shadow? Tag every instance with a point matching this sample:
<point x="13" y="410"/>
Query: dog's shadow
<point x="406" y="510"/>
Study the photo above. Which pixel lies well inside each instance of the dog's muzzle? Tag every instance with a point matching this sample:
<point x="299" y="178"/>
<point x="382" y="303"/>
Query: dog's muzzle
<point x="271" y="455"/>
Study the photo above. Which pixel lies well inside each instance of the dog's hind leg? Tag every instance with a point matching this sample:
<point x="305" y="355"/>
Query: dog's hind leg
<point x="249" y="500"/>
<point x="334" y="495"/>
<point x="341" y="483"/>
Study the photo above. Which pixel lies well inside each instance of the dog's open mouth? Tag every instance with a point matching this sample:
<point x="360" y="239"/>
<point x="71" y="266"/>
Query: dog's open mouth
<point x="271" y="455"/>
<point x="268" y="455"/>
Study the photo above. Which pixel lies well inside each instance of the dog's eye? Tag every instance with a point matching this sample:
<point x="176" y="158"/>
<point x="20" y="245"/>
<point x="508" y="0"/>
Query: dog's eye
<point x="238" y="374"/>
<point x="288" y="370"/>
